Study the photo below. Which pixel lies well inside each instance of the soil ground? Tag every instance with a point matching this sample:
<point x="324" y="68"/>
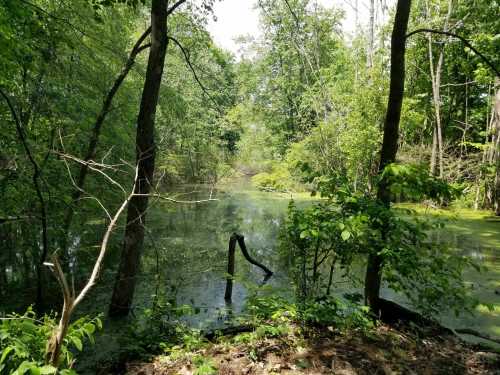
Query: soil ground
<point x="384" y="350"/>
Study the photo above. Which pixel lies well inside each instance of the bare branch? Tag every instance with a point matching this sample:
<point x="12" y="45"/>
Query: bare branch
<point x="462" y="39"/>
<point x="190" y="65"/>
<point x="104" y="245"/>
<point x="71" y="301"/>
<point x="92" y="166"/>
<point x="174" y="7"/>
<point x="162" y="197"/>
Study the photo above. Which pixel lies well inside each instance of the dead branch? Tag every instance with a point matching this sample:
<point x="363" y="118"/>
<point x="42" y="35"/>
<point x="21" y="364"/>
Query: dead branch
<point x="165" y="198"/>
<point x="71" y="299"/>
<point x="462" y="39"/>
<point x="472" y="332"/>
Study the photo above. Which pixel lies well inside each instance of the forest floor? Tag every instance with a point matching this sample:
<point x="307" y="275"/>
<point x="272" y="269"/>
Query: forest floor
<point x="384" y="350"/>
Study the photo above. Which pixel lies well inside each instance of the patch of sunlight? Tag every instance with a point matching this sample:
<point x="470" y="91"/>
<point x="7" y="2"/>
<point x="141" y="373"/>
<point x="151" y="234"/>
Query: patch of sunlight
<point x="483" y="309"/>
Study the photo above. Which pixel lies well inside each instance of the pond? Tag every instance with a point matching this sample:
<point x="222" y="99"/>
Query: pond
<point x="185" y="258"/>
<point x="188" y="244"/>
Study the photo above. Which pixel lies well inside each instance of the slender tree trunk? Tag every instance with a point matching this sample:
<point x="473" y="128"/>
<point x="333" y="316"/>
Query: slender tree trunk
<point x="496" y="145"/>
<point x="373" y="277"/>
<point x="436" y="92"/>
<point x="145" y="154"/>
<point x="434" y="150"/>
<point x="371" y="36"/>
<point x="37" y="185"/>
<point x="484" y="158"/>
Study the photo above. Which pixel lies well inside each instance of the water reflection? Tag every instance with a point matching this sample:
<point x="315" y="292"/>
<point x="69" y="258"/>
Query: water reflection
<point x="186" y="253"/>
<point x="194" y="245"/>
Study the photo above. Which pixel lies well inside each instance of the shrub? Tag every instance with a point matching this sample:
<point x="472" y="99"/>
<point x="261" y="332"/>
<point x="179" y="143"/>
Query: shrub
<point x="349" y="226"/>
<point x="23" y="340"/>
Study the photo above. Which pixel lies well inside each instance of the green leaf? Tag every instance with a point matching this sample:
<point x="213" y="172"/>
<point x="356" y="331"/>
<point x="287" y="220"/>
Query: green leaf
<point x="77" y="342"/>
<point x="47" y="369"/>
<point x="5" y="353"/>
<point x="89" y="328"/>
<point x="345" y="235"/>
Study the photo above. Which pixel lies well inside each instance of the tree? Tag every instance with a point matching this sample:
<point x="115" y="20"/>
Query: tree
<point x="495" y="159"/>
<point x="437" y="134"/>
<point x="124" y="288"/>
<point x="373" y="278"/>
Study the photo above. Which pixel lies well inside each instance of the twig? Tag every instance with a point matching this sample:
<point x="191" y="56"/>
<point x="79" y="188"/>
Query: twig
<point x="190" y="65"/>
<point x="162" y="197"/>
<point x="462" y="39"/>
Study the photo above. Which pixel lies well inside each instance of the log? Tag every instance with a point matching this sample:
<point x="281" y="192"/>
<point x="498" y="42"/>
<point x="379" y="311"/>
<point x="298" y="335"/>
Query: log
<point x="227" y="331"/>
<point x="472" y="332"/>
<point x="391" y="313"/>
<point x="230" y="268"/>
<point x="241" y="242"/>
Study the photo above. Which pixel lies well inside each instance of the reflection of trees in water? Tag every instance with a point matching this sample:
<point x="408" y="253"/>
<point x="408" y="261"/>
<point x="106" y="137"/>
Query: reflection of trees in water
<point x="186" y="243"/>
<point x="19" y="251"/>
<point x="193" y="242"/>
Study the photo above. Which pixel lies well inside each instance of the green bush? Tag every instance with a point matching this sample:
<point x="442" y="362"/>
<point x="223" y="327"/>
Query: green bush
<point x="334" y="311"/>
<point x="333" y="234"/>
<point x="23" y="340"/>
<point x="279" y="179"/>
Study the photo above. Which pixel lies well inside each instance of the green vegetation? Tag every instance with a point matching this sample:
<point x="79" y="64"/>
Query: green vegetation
<point x="23" y="339"/>
<point x="133" y="147"/>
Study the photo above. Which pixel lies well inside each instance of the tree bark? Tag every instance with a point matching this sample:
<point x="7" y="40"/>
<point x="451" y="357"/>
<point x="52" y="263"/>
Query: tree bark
<point x="496" y="145"/>
<point x="436" y="95"/>
<point x="230" y="268"/>
<point x="126" y="279"/>
<point x="371" y="36"/>
<point x="389" y="150"/>
<point x="434" y="151"/>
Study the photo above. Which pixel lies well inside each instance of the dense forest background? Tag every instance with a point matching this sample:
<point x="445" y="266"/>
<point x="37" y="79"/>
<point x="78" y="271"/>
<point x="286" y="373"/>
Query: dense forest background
<point x="301" y="107"/>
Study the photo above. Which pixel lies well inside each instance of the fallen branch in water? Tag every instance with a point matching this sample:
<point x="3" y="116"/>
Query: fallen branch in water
<point x="238" y="238"/>
<point x="241" y="242"/>
<point x="472" y="332"/>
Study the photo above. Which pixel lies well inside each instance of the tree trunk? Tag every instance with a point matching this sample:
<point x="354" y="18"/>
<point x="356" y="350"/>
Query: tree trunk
<point x="37" y="185"/>
<point x="371" y="36"/>
<point x="433" y="151"/>
<point x="373" y="277"/>
<point x="145" y="155"/>
<point x="484" y="159"/>
<point x="496" y="144"/>
<point x="436" y="93"/>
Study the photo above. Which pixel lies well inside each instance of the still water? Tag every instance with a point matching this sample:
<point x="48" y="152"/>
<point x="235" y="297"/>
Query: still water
<point x="185" y="259"/>
<point x="188" y="245"/>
